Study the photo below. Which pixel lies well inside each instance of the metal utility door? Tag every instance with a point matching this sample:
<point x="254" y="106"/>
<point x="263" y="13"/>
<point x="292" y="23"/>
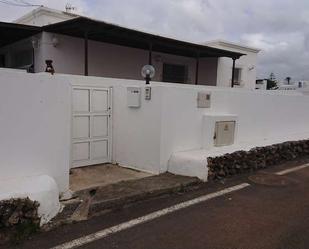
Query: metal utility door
<point x="91" y="131"/>
<point x="225" y="132"/>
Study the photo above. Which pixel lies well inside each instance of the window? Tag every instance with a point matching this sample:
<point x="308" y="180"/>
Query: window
<point x="237" y="76"/>
<point x="175" y="73"/>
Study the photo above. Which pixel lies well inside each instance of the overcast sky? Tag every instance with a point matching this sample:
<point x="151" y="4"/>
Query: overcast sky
<point x="279" y="27"/>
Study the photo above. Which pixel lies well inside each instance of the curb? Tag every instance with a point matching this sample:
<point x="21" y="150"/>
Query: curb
<point x="97" y="208"/>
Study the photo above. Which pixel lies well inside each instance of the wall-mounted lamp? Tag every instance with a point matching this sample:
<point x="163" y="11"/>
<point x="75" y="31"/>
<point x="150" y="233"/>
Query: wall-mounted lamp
<point x="148" y="72"/>
<point x="251" y="68"/>
<point x="55" y="41"/>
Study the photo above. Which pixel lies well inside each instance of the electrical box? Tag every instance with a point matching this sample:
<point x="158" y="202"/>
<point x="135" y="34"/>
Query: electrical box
<point x="203" y="99"/>
<point x="147" y="93"/>
<point x="134" y="97"/>
<point x="224" y="133"/>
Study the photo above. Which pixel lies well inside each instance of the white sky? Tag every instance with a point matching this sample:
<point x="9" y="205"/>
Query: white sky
<point x="279" y="27"/>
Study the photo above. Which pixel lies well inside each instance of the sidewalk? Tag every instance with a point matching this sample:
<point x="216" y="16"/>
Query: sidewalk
<point x="101" y="199"/>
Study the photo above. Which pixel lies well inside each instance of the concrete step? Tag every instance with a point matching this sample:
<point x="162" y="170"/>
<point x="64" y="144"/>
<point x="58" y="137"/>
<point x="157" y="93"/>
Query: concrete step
<point x="125" y="193"/>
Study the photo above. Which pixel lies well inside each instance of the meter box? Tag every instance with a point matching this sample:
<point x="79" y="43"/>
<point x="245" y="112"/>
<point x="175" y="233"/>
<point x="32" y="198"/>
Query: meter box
<point x="224" y="133"/>
<point x="203" y="99"/>
<point x="134" y="97"/>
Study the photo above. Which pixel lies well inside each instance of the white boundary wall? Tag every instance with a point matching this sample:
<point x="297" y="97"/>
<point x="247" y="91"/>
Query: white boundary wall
<point x="35" y="113"/>
<point x="145" y="137"/>
<point x="35" y="126"/>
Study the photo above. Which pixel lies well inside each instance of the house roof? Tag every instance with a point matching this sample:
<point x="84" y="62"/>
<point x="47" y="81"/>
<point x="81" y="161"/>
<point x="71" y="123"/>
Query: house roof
<point x="232" y="45"/>
<point x="111" y="33"/>
<point x="12" y="32"/>
<point x="41" y="11"/>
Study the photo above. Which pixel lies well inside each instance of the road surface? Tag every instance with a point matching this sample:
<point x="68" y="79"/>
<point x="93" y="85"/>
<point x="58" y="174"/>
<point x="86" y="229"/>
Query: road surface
<point x="271" y="214"/>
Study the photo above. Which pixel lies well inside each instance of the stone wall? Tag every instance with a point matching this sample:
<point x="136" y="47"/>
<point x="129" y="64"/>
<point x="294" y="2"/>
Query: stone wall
<point x="18" y="219"/>
<point x="257" y="158"/>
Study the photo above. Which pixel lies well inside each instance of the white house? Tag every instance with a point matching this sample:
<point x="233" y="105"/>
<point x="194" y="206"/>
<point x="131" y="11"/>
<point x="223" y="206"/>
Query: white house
<point x="52" y="123"/>
<point x="83" y="46"/>
<point x="261" y="84"/>
<point x="294" y="86"/>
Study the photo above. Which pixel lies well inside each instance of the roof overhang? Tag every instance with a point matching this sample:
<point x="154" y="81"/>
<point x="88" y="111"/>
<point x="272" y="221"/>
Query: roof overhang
<point x="111" y="33"/>
<point x="232" y="45"/>
<point x="12" y="32"/>
<point x="44" y="11"/>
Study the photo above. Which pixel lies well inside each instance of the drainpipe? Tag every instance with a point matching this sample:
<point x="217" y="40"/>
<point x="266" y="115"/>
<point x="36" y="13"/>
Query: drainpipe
<point x="233" y="72"/>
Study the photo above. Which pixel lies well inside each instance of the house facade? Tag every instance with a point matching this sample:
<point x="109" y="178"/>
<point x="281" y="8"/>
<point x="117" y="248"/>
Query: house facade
<point x="74" y="119"/>
<point x="245" y="68"/>
<point x="119" y="52"/>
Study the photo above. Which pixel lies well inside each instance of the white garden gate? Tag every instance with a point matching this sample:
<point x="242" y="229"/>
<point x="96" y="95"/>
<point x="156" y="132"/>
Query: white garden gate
<point x="91" y="121"/>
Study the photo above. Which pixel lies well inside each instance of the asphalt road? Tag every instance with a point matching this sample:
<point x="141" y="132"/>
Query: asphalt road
<point x="259" y="216"/>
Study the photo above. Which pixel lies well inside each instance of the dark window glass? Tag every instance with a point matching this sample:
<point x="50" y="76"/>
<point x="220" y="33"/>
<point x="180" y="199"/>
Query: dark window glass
<point x="174" y="73"/>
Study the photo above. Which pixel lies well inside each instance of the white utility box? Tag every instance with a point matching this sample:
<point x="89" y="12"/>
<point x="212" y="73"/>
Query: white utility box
<point x="203" y="99"/>
<point x="224" y="133"/>
<point x="134" y="97"/>
<point x="212" y="126"/>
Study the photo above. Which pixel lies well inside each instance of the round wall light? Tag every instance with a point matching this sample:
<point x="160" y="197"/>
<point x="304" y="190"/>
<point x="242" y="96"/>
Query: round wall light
<point x="55" y="41"/>
<point x="148" y="72"/>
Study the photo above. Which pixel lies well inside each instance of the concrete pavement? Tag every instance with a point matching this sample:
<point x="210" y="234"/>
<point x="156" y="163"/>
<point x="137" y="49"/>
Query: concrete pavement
<point x="259" y="216"/>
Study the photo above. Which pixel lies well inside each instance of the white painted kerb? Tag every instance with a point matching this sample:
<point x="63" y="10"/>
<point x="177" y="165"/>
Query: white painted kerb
<point x="194" y="162"/>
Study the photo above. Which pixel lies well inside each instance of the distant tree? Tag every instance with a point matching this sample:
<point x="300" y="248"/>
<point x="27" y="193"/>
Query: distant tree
<point x="271" y="82"/>
<point x="288" y="80"/>
<point x="272" y="77"/>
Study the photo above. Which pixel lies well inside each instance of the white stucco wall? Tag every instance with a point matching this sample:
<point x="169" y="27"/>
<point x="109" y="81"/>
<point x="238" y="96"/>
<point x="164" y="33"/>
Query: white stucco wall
<point x="108" y="60"/>
<point x="146" y="137"/>
<point x="280" y="116"/>
<point x="248" y="75"/>
<point x="35" y="127"/>
<point x="182" y="122"/>
<point x="40" y="188"/>
<point x="35" y="113"/>
<point x="247" y="62"/>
